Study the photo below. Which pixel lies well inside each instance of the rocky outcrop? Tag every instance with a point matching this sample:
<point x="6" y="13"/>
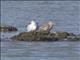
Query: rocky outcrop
<point x="7" y="28"/>
<point x="46" y="36"/>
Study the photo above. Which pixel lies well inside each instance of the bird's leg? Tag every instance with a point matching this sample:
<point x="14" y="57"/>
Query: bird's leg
<point x="33" y="32"/>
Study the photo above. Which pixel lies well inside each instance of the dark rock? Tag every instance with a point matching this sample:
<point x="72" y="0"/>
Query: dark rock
<point x="7" y="28"/>
<point x="45" y="36"/>
<point x="34" y="36"/>
<point x="78" y="37"/>
<point x="61" y="35"/>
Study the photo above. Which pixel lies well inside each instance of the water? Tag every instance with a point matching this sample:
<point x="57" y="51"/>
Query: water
<point x="19" y="13"/>
<point x="18" y="50"/>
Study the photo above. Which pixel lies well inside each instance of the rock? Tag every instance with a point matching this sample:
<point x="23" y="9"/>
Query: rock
<point x="7" y="28"/>
<point x="78" y="37"/>
<point x="45" y="36"/>
<point x="61" y="35"/>
<point x="34" y="36"/>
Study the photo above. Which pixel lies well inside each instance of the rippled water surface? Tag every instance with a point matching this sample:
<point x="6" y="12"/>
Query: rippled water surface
<point x="66" y="16"/>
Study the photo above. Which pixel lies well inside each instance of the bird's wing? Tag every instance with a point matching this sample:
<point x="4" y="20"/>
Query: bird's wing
<point x="28" y="28"/>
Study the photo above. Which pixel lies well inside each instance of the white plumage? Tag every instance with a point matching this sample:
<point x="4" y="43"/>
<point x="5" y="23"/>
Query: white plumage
<point x="32" y="26"/>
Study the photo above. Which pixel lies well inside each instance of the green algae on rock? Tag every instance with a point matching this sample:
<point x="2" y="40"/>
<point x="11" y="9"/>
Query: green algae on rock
<point x="7" y="28"/>
<point x="44" y="36"/>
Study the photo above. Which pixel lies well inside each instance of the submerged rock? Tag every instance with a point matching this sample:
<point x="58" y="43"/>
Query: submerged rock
<point x="45" y="36"/>
<point x="7" y="28"/>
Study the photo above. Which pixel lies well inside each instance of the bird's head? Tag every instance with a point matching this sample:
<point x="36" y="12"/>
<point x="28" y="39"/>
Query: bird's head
<point x="51" y="22"/>
<point x="33" y="22"/>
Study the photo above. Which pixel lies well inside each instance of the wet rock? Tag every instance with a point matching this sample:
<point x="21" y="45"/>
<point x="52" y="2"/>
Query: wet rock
<point x="61" y="35"/>
<point x="78" y="37"/>
<point x="45" y="36"/>
<point x="7" y="28"/>
<point x="34" y="36"/>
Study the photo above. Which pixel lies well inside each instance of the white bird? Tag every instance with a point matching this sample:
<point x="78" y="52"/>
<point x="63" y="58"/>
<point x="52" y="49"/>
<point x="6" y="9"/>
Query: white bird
<point x="46" y="27"/>
<point x="32" y="26"/>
